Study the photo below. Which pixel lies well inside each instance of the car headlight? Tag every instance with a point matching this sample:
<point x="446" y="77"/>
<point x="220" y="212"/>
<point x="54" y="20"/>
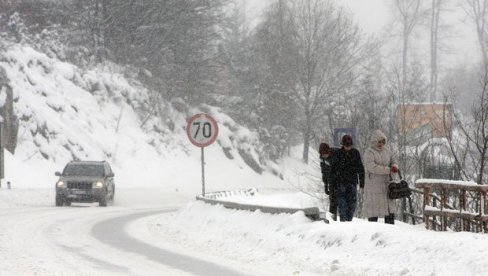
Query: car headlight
<point x="98" y="184"/>
<point x="60" y="184"/>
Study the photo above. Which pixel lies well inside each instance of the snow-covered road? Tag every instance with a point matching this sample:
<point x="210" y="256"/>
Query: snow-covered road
<point x="143" y="234"/>
<point x="63" y="241"/>
<point x="37" y="238"/>
<point x="110" y="232"/>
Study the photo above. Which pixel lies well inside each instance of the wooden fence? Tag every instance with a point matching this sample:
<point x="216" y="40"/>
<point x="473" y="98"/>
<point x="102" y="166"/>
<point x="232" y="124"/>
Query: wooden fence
<point x="408" y="209"/>
<point x="458" y="214"/>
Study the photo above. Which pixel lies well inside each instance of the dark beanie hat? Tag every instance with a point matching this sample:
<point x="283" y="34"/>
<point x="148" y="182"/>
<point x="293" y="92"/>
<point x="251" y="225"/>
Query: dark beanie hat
<point x="324" y="148"/>
<point x="346" y="140"/>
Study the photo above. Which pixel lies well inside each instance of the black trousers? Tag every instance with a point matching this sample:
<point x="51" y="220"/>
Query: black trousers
<point x="390" y="219"/>
<point x="333" y="200"/>
<point x="347" y="200"/>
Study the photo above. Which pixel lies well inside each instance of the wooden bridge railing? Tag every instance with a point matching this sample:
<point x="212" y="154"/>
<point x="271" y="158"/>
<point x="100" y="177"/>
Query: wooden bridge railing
<point x="408" y="210"/>
<point x="470" y="219"/>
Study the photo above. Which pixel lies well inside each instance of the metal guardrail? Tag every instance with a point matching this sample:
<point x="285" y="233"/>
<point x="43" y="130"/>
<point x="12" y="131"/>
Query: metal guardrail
<point x="312" y="213"/>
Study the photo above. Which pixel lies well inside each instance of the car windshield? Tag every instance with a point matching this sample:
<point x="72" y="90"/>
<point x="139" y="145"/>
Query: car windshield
<point x="83" y="170"/>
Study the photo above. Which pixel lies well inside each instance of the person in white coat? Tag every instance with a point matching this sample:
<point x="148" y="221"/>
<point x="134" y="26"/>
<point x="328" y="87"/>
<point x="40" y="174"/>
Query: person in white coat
<point x="379" y="163"/>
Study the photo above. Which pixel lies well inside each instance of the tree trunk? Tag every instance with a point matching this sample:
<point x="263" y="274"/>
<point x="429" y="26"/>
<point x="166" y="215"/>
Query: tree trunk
<point x="479" y="9"/>
<point x="306" y="139"/>
<point x="481" y="168"/>
<point x="436" y="7"/>
<point x="97" y="30"/>
<point x="404" y="60"/>
<point x="9" y="122"/>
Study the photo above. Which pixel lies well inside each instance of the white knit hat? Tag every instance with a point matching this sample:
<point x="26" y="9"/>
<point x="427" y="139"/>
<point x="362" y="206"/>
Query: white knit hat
<point x="377" y="136"/>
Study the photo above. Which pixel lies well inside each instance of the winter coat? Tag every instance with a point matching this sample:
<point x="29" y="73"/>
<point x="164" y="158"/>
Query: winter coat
<point x="377" y="164"/>
<point x="347" y="168"/>
<point x="326" y="166"/>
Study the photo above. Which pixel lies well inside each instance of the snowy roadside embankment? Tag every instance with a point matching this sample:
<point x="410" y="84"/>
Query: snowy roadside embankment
<point x="294" y="243"/>
<point x="14" y="198"/>
<point x="67" y="112"/>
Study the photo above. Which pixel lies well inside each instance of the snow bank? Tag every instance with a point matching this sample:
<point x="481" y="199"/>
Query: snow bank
<point x="294" y="243"/>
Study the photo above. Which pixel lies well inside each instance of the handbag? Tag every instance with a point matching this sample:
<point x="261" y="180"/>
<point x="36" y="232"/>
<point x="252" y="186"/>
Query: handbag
<point x="398" y="189"/>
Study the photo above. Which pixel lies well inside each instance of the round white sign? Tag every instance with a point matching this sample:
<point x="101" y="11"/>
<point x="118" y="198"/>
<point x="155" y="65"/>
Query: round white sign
<point x="202" y="130"/>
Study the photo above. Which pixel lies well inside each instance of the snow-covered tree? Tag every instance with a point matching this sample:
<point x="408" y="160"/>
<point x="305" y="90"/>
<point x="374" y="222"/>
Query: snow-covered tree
<point x="312" y="49"/>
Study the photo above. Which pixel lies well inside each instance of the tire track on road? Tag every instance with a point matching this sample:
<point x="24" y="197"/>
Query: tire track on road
<point x="120" y="239"/>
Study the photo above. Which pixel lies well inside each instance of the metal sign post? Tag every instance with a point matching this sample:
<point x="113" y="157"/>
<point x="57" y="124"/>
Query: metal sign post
<point x="202" y="130"/>
<point x="2" y="158"/>
<point x="203" y="171"/>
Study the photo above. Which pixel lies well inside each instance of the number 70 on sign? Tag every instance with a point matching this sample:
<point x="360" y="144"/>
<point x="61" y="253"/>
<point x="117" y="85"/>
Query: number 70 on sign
<point x="202" y="130"/>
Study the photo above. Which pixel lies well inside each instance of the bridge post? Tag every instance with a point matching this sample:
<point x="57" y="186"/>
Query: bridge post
<point x="482" y="211"/>
<point x="434" y="217"/>
<point x="443" y="203"/>
<point x="426" y="203"/>
<point x="462" y="207"/>
<point x="411" y="210"/>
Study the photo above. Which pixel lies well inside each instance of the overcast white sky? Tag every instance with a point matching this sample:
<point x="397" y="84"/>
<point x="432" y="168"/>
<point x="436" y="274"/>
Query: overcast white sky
<point x="372" y="15"/>
<point x="458" y="41"/>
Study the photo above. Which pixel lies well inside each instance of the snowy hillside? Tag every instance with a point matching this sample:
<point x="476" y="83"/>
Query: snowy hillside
<point x="67" y="112"/>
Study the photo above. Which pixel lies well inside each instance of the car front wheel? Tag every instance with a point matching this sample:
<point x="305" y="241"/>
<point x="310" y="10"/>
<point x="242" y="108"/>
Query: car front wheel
<point x="103" y="201"/>
<point x="59" y="201"/>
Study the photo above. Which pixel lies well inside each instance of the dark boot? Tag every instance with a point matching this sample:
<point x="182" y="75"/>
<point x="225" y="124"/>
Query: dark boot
<point x="390" y="219"/>
<point x="333" y="217"/>
<point x="373" y="219"/>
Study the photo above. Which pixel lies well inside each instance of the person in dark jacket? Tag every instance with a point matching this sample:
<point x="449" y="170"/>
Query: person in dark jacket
<point x="327" y="157"/>
<point x="347" y="171"/>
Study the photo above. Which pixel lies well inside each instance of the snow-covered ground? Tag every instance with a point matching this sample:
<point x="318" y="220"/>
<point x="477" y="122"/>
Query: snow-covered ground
<point x="70" y="112"/>
<point x="254" y="243"/>
<point x="295" y="244"/>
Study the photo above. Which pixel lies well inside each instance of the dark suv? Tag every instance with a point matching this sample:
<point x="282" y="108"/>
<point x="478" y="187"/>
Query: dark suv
<point x="85" y="181"/>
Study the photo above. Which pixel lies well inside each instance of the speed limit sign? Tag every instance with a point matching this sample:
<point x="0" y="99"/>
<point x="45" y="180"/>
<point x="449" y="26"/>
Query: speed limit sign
<point x="202" y="130"/>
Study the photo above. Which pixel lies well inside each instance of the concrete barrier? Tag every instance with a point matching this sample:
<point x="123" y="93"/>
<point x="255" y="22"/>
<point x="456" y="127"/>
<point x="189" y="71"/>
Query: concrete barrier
<point x="312" y="213"/>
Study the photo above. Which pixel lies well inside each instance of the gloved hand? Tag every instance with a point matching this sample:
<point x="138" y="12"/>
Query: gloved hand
<point x="394" y="168"/>
<point x="327" y="190"/>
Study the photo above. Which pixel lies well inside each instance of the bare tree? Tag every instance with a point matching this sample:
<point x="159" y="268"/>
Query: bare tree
<point x="477" y="10"/>
<point x="475" y="132"/>
<point x="311" y="51"/>
<point x="479" y="132"/>
<point x="406" y="80"/>
<point x="328" y="48"/>
<point x="434" y="44"/>
<point x="410" y="15"/>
